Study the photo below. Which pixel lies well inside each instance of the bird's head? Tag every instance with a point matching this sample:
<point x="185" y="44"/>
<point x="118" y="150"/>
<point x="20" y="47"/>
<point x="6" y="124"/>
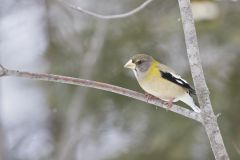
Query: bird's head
<point x="139" y="63"/>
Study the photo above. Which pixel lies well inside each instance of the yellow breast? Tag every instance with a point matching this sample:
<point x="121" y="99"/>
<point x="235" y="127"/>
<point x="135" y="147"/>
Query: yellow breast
<point x="153" y="83"/>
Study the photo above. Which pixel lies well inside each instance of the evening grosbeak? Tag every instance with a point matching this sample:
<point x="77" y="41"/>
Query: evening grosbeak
<point x="161" y="81"/>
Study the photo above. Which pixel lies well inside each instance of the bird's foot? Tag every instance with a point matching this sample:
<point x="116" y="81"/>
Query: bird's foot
<point x="169" y="103"/>
<point x="150" y="97"/>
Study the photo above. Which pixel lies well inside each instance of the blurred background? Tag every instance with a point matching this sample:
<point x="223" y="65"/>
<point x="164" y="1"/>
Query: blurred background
<point x="53" y="121"/>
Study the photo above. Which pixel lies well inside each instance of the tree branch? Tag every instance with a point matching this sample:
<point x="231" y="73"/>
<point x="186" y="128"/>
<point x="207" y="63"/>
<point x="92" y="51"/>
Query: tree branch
<point x="101" y="86"/>
<point x="71" y="126"/>
<point x="3" y="145"/>
<point x="207" y="114"/>
<point x="107" y="17"/>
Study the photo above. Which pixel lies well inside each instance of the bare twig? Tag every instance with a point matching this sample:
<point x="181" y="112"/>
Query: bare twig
<point x="3" y="145"/>
<point x="237" y="147"/>
<point x="70" y="134"/>
<point x="116" y="16"/>
<point x="101" y="86"/>
<point x="208" y="116"/>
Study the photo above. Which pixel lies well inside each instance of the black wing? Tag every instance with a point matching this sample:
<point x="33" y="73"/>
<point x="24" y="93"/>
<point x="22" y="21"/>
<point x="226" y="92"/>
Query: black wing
<point x="177" y="80"/>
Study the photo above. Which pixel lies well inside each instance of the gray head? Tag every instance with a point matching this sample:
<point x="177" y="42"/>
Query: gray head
<point x="139" y="63"/>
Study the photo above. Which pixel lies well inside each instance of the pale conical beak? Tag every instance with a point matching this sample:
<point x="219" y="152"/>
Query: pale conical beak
<point x="130" y="65"/>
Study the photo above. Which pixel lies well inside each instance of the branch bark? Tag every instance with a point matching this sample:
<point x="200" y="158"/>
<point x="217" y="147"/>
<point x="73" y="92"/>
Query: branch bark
<point x="208" y="116"/>
<point x="101" y="86"/>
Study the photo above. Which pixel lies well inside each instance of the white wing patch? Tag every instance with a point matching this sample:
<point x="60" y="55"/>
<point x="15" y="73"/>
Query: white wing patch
<point x="179" y="81"/>
<point x="178" y="77"/>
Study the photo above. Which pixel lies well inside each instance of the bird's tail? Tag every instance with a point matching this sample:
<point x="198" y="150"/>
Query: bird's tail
<point x="189" y="101"/>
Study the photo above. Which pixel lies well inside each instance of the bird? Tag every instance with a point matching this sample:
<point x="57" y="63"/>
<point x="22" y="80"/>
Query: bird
<point x="160" y="81"/>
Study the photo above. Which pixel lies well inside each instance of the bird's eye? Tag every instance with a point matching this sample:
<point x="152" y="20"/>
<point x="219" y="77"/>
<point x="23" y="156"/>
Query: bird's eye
<point x="139" y="62"/>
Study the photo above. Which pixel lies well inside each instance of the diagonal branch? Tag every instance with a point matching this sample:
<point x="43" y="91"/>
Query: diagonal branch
<point x="101" y="86"/>
<point x="209" y="119"/>
<point x="116" y="16"/>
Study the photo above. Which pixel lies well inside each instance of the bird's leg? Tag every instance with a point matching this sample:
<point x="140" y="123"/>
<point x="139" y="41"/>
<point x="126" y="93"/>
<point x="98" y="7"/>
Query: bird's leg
<point x="150" y="97"/>
<point x="169" y="103"/>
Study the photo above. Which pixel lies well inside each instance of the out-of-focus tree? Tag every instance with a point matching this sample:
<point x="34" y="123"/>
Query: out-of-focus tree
<point x="115" y="127"/>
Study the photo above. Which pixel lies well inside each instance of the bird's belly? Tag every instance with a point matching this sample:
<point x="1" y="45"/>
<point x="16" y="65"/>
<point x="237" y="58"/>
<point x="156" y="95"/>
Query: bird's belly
<point x="162" y="89"/>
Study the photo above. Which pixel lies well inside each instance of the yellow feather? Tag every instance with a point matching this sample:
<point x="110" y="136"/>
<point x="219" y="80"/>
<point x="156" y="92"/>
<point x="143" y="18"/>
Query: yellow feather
<point x="153" y="83"/>
<point x="153" y="71"/>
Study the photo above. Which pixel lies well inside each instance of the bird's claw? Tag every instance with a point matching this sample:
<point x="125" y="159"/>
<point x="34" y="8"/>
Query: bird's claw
<point x="150" y="97"/>
<point x="168" y="104"/>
